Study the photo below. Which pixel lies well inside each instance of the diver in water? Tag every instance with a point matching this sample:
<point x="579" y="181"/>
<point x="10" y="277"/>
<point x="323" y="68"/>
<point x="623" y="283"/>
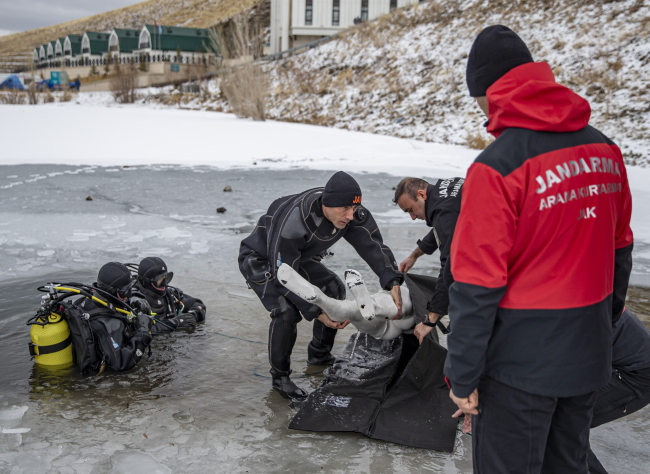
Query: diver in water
<point x="119" y="342"/>
<point x="438" y="205"/>
<point x="173" y="310"/>
<point x="298" y="230"/>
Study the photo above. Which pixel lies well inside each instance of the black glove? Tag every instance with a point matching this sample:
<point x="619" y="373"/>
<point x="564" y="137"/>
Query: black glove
<point x="184" y="322"/>
<point x="144" y="322"/>
<point x="140" y="305"/>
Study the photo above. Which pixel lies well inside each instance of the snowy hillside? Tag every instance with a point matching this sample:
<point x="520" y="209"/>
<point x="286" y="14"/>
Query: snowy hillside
<point x="191" y="13"/>
<point x="405" y="74"/>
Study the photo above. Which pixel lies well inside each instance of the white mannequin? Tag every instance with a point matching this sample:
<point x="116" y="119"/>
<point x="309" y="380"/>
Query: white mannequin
<point x="371" y="314"/>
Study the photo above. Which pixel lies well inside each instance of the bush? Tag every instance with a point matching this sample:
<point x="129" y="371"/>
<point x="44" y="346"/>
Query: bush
<point x="124" y="84"/>
<point x="13" y="97"/>
<point x="478" y="140"/>
<point x="243" y="82"/>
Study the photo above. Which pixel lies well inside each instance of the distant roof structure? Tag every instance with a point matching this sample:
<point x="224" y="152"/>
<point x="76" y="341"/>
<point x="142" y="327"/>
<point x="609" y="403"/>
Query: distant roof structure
<point x="72" y="45"/>
<point x="123" y="40"/>
<point x="94" y="42"/>
<point x="172" y="38"/>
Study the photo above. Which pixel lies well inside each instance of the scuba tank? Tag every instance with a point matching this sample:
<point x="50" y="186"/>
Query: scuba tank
<point x="89" y="330"/>
<point x="51" y="342"/>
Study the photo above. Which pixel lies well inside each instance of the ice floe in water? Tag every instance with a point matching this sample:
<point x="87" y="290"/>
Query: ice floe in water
<point x="11" y="417"/>
<point x="136" y="462"/>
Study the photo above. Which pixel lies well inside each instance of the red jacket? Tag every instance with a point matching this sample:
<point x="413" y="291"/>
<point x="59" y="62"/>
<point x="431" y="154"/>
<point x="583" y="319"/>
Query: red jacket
<point x="542" y="251"/>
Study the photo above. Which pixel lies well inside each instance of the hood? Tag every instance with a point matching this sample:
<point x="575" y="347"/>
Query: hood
<point x="528" y="97"/>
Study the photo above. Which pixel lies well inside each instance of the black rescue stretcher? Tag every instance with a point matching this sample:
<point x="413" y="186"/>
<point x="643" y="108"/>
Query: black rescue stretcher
<point x="389" y="390"/>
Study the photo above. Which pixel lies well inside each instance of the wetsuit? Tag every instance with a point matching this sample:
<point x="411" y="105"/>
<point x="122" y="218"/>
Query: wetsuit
<point x="168" y="304"/>
<point x="441" y="213"/>
<point x="295" y="231"/>
<point x="629" y="388"/>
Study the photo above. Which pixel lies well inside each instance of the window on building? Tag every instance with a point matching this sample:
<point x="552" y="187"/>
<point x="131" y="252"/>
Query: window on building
<point x="393" y="5"/>
<point x="364" y="10"/>
<point x="309" y="12"/>
<point x="85" y="45"/>
<point x="113" y="43"/>
<point x="145" y="40"/>
<point x="336" y="12"/>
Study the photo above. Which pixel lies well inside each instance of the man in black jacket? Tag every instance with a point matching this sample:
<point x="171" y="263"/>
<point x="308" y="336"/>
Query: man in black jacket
<point x="437" y="204"/>
<point x="298" y="230"/>
<point x="173" y="309"/>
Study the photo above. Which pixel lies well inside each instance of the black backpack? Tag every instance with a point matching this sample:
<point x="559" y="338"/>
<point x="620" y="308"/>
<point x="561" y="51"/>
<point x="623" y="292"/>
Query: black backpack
<point x="101" y="337"/>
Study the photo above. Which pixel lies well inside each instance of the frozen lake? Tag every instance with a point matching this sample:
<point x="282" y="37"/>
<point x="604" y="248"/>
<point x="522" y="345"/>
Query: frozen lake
<point x="201" y="402"/>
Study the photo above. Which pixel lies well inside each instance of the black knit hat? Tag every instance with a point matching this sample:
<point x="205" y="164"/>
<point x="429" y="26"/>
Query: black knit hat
<point x="496" y="50"/>
<point x="341" y="190"/>
<point x="151" y="269"/>
<point x="115" y="278"/>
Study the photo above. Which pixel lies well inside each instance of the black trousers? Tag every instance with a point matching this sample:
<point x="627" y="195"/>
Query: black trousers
<point x="517" y="432"/>
<point x="285" y="315"/>
<point x="625" y="393"/>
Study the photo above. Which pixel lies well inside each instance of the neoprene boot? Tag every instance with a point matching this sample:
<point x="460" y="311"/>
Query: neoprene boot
<point x="285" y="387"/>
<point x="318" y="351"/>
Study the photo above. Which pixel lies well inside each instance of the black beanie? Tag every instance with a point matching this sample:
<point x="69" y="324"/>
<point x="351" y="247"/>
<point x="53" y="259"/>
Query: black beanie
<point x="113" y="277"/>
<point x="496" y="50"/>
<point x="341" y="190"/>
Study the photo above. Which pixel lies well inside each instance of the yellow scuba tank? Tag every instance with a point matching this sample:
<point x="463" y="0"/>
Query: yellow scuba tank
<point x="51" y="342"/>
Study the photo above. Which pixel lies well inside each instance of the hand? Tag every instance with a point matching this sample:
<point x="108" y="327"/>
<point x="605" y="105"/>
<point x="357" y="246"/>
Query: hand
<point x="421" y="331"/>
<point x="467" y="405"/>
<point x="144" y="322"/>
<point x="396" y="294"/>
<point x="409" y="261"/>
<point x="325" y="319"/>
<point x="184" y="322"/>
<point x="140" y="305"/>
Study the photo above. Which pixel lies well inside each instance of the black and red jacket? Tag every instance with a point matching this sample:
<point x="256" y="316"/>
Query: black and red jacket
<point x="542" y="252"/>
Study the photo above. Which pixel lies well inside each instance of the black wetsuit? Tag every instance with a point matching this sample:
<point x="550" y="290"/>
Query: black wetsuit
<point x="442" y="208"/>
<point x="169" y="304"/>
<point x="295" y="231"/>
<point x="629" y="388"/>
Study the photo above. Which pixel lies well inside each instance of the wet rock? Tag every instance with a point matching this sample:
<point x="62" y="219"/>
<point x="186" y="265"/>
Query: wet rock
<point x="88" y="198"/>
<point x="227" y="189"/>
<point x="221" y="210"/>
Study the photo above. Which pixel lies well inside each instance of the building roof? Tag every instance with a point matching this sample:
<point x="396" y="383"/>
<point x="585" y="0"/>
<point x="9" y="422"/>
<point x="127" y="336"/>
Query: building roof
<point x="128" y="39"/>
<point x="98" y="41"/>
<point x="75" y="44"/>
<point x="175" y="37"/>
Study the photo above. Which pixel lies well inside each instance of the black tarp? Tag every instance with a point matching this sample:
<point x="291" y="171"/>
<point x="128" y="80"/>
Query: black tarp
<point x="389" y="390"/>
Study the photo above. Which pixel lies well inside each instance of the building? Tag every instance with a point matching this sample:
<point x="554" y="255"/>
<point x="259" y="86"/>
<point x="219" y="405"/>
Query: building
<point x="58" y="47"/>
<point x="123" y="42"/>
<point x="297" y="22"/>
<point x="42" y="52"/>
<point x="165" y="42"/>
<point x="72" y="45"/>
<point x="49" y="51"/>
<point x="37" y="54"/>
<point x="94" y="44"/>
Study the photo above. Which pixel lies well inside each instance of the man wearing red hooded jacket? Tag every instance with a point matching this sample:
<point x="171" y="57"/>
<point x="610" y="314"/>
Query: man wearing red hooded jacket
<point x="541" y="261"/>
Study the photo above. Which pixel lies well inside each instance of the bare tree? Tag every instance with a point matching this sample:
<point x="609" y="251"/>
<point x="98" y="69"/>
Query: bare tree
<point x="31" y="92"/>
<point x="124" y="83"/>
<point x="243" y="82"/>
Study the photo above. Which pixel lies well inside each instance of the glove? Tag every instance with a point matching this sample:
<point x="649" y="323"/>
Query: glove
<point x="140" y="305"/>
<point x="144" y="322"/>
<point x="184" y="322"/>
